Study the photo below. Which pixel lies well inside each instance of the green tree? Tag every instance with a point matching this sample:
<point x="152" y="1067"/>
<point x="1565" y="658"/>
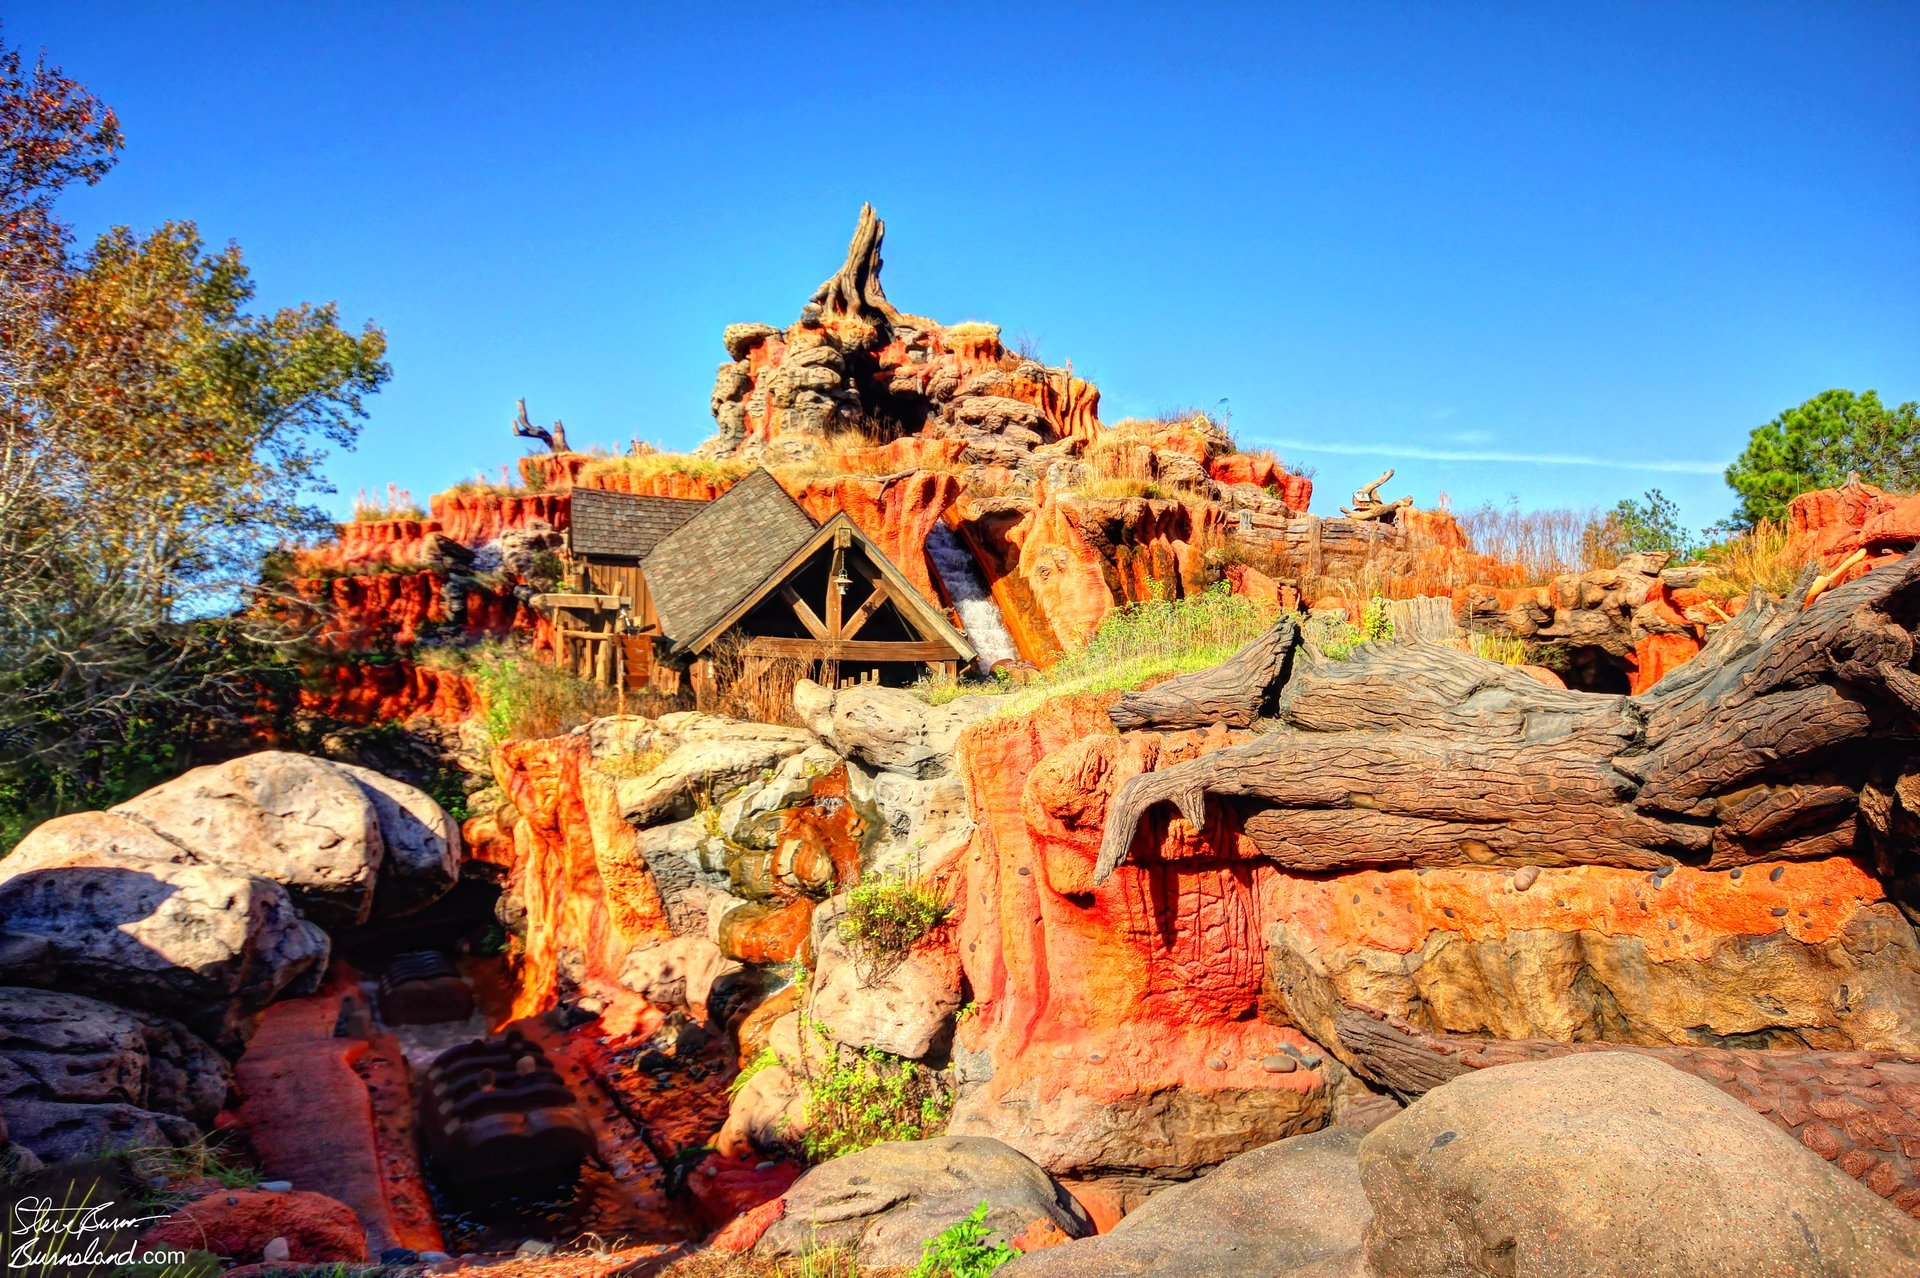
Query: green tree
<point x="1818" y="445"/>
<point x="157" y="439"/>
<point x="1649" y="525"/>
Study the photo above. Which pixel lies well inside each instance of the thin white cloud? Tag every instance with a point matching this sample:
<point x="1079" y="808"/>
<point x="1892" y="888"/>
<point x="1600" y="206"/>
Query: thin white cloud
<point x="1418" y="452"/>
<point x="1471" y="437"/>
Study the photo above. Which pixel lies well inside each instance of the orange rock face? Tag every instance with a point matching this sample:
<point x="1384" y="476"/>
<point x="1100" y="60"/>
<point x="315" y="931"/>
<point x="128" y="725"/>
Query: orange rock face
<point x="388" y="609"/>
<point x="899" y="514"/>
<point x="1120" y="1020"/>
<point x="588" y="895"/>
<point x="238" y="1223"/>
<point x="388" y="691"/>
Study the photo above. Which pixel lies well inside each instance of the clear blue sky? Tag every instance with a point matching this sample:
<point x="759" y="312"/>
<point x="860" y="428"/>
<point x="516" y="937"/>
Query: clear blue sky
<point x="1475" y="241"/>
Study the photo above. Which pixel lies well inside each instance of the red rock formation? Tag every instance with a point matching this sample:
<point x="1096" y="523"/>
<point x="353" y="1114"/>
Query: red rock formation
<point x="898" y="513"/>
<point x="238" y="1223"/>
<point x="474" y="518"/>
<point x="588" y="895"/>
<point x="1244" y="468"/>
<point x="1119" y="1019"/>
<point x="387" y="610"/>
<point x="388" y="692"/>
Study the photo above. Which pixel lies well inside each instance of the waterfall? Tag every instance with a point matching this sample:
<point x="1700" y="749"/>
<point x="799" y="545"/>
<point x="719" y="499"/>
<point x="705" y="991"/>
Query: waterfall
<point x="979" y="614"/>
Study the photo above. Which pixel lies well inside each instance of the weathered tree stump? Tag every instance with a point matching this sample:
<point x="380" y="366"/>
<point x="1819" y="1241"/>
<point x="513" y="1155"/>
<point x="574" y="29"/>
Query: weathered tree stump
<point x="855" y="289"/>
<point x="1232" y="693"/>
<point x="1792" y="735"/>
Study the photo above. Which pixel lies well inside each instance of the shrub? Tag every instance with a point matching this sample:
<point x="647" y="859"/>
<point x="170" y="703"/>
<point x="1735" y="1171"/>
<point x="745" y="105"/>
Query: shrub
<point x="632" y="763"/>
<point x="886" y="917"/>
<point x="523" y="698"/>
<point x="870" y="1096"/>
<point x="1376" y="621"/>
<point x="961" y="1251"/>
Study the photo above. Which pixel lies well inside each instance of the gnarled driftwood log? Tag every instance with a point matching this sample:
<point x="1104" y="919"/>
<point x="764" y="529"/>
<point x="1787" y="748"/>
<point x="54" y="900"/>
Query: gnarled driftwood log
<point x="1792" y="735"/>
<point x="855" y="289"/>
<point x="1232" y="692"/>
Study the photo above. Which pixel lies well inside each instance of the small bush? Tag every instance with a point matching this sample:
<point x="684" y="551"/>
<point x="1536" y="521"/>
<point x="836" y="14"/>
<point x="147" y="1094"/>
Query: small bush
<point x="524" y="698"/>
<point x="1376" y="621"/>
<point x="870" y="1096"/>
<point x="886" y="917"/>
<point x="961" y="1251"/>
<point x="766" y="1058"/>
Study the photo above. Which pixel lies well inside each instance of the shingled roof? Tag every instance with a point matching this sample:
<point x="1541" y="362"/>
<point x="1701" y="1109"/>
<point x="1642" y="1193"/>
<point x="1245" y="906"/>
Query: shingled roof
<point x="702" y="569"/>
<point x="606" y="523"/>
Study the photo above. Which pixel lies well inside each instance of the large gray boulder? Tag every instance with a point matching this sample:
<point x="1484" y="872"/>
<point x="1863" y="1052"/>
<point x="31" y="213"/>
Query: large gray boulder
<point x="299" y="821"/>
<point x="422" y="861"/>
<point x="885" y="1201"/>
<point x="97" y="904"/>
<point x="905" y="1007"/>
<point x="1292" y="1208"/>
<point x="887" y="728"/>
<point x="1611" y="1164"/>
<point x="79" y="1077"/>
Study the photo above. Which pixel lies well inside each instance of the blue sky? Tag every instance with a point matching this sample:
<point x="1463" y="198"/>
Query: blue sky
<point x="1567" y="252"/>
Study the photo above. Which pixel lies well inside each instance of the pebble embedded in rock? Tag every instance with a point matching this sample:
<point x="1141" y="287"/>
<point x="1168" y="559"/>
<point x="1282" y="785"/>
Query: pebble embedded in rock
<point x="1096" y="1057"/>
<point x="535" y="1247"/>
<point x="277" y="1186"/>
<point x="277" y="1249"/>
<point x="1778" y="870"/>
<point x="1279" y="1063"/>
<point x="1779" y="911"/>
<point x="1736" y="873"/>
<point x="1216" y="1062"/>
<point x="1663" y="871"/>
<point x="1025" y="870"/>
<point x="1525" y="877"/>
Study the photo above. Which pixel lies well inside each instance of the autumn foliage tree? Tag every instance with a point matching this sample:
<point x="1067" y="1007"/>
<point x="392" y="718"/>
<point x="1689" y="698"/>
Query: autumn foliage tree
<point x="157" y="438"/>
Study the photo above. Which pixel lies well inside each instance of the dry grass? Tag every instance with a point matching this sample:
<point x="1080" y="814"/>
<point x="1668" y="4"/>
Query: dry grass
<point x="970" y="330"/>
<point x="632" y="763"/>
<point x="1148" y="640"/>
<point x="397" y="504"/>
<point x="757" y="689"/>
<point x="648" y="465"/>
<point x="1545" y="543"/>
<point x="826" y="1262"/>
<point x="1764" y="556"/>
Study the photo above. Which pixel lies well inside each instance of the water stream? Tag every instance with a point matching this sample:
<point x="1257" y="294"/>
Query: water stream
<point x="979" y="615"/>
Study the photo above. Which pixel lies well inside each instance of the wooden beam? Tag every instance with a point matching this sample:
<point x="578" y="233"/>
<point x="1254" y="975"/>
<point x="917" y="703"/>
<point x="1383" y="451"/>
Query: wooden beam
<point x="855" y="650"/>
<point x="808" y="618"/>
<point x="865" y="611"/>
<point x="835" y="592"/>
<point x="574" y="600"/>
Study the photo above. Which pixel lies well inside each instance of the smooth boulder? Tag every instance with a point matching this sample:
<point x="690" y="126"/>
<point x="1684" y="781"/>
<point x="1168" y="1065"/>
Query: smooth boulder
<point x="905" y="1007"/>
<point x="296" y="820"/>
<point x="1612" y="1165"/>
<point x="422" y="861"/>
<point x="1292" y="1209"/>
<point x="885" y="1201"/>
<point x="93" y="906"/>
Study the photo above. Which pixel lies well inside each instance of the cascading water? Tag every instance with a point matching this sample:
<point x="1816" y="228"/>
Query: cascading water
<point x="979" y="615"/>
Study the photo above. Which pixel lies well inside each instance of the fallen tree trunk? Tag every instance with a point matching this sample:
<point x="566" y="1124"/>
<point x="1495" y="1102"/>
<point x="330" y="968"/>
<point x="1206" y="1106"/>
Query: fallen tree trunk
<point x="1792" y="735"/>
<point x="1232" y="693"/>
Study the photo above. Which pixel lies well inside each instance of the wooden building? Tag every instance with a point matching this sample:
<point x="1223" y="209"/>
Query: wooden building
<point x="660" y="585"/>
<point x="754" y="571"/>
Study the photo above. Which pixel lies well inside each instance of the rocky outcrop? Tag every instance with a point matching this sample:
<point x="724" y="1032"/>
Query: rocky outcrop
<point x="885" y="1201"/>
<point x="1617" y="629"/>
<point x="1293" y="1207"/>
<point x="244" y="1225"/>
<point x="906" y="1009"/>
<point x="188" y="900"/>
<point x="101" y="905"/>
<point x="78" y="1075"/>
<point x="1117" y="1033"/>
<point x="1668" y="1177"/>
<point x="1854" y="1109"/>
<point x="295" y="820"/>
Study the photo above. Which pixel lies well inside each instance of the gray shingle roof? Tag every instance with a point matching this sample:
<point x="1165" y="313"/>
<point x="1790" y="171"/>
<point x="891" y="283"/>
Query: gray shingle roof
<point x="605" y="523"/>
<point x="723" y="554"/>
